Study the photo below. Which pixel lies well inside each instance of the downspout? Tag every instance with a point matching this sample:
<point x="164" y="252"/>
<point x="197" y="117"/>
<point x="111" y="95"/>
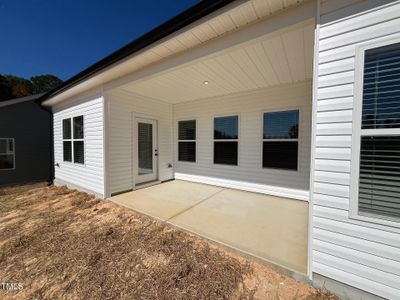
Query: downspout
<point x="50" y="112"/>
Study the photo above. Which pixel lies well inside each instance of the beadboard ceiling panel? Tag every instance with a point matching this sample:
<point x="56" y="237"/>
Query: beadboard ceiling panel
<point x="273" y="60"/>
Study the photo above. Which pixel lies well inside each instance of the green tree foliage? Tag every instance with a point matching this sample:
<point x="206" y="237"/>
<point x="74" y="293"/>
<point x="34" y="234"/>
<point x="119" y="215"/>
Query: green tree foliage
<point x="5" y="89"/>
<point x="14" y="87"/>
<point x="44" y="83"/>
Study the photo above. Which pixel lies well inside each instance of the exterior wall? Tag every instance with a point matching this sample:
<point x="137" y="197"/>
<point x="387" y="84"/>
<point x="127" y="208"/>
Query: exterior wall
<point x="249" y="174"/>
<point x="32" y="142"/>
<point x="90" y="176"/>
<point x="122" y="108"/>
<point x="361" y="254"/>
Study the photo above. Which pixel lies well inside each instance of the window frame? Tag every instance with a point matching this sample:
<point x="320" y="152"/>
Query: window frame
<point x="213" y="140"/>
<point x="10" y="153"/>
<point x="178" y="141"/>
<point x="72" y="140"/>
<point x="358" y="132"/>
<point x="299" y="139"/>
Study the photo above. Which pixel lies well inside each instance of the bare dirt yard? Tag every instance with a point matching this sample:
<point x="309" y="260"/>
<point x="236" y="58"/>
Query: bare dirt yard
<point x="60" y="243"/>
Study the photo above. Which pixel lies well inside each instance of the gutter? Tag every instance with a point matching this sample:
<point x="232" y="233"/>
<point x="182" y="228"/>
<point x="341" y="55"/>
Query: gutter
<point x="178" y="22"/>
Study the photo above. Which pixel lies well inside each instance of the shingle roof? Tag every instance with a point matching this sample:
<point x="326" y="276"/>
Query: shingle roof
<point x="21" y="99"/>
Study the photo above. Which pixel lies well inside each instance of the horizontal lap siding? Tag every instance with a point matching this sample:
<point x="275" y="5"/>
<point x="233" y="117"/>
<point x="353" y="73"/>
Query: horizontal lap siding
<point x="122" y="105"/>
<point x="249" y="106"/>
<point x="344" y="249"/>
<point x="89" y="176"/>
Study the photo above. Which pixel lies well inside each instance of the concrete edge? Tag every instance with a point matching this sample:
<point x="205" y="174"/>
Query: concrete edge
<point x="344" y="291"/>
<point x="60" y="182"/>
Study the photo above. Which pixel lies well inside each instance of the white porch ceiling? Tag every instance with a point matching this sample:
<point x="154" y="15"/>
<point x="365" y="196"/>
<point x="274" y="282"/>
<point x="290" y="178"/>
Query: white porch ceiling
<point x="282" y="57"/>
<point x="228" y="19"/>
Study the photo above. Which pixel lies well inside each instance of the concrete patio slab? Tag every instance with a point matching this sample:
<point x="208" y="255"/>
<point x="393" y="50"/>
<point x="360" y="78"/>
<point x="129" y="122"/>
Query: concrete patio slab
<point x="268" y="227"/>
<point x="164" y="201"/>
<point x="271" y="228"/>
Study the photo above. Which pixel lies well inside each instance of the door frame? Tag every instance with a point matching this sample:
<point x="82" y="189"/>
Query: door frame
<point x="134" y="134"/>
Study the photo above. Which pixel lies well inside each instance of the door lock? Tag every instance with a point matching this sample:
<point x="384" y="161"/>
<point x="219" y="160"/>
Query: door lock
<point x="155" y="152"/>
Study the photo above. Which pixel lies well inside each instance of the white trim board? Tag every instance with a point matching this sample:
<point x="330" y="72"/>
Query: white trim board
<point x="247" y="186"/>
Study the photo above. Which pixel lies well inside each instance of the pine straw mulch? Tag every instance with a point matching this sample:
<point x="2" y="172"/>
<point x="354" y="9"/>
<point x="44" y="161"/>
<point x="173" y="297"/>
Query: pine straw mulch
<point x="61" y="243"/>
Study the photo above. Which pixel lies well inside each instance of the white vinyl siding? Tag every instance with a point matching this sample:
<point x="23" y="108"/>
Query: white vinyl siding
<point x="249" y="106"/>
<point x="362" y="254"/>
<point x="90" y="175"/>
<point x="122" y="107"/>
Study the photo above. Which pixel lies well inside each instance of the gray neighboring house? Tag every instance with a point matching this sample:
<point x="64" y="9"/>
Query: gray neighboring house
<point x="25" y="141"/>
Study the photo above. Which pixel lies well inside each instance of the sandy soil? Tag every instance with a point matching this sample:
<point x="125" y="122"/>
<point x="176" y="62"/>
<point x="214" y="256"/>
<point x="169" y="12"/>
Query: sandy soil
<point x="60" y="243"/>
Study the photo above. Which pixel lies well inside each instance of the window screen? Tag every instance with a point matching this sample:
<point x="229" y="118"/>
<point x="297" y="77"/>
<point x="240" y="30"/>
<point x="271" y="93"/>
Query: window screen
<point x="379" y="177"/>
<point x="7" y="154"/>
<point x="379" y="186"/>
<point x="381" y="88"/>
<point x="78" y="127"/>
<point x="280" y="139"/>
<point x="187" y="140"/>
<point x="66" y="128"/>
<point x="226" y="140"/>
<point x="73" y="140"/>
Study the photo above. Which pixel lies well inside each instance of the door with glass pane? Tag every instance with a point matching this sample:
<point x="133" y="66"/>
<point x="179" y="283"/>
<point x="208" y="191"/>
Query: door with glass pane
<point x="147" y="150"/>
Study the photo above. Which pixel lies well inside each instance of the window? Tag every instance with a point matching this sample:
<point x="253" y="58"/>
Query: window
<point x="73" y="140"/>
<point x="7" y="154"/>
<point x="187" y="140"/>
<point x="226" y="140"/>
<point x="378" y="134"/>
<point x="281" y="139"/>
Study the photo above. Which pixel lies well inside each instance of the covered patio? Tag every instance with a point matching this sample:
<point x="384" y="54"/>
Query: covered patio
<point x="271" y="228"/>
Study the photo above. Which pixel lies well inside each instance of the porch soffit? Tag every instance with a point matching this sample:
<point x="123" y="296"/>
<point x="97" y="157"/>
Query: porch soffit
<point x="218" y="24"/>
<point x="280" y="58"/>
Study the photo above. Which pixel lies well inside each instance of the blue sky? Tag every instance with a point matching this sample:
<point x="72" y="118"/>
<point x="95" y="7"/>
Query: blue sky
<point x="63" y="37"/>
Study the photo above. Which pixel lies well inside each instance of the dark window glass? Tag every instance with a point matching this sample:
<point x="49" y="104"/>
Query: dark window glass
<point x="66" y="128"/>
<point x="67" y="151"/>
<point x="79" y="152"/>
<point x="381" y="88"/>
<point x="145" y="148"/>
<point x="187" y="130"/>
<point x="226" y="127"/>
<point x="3" y="146"/>
<point x="6" y="161"/>
<point x="11" y="145"/>
<point x="226" y="153"/>
<point x="281" y="125"/>
<point x="78" y="127"/>
<point x="280" y="155"/>
<point x="187" y="151"/>
<point x="379" y="182"/>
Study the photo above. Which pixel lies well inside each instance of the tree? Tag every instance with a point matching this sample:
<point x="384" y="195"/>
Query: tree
<point x="14" y="87"/>
<point x="5" y="89"/>
<point x="20" y="87"/>
<point x="44" y="83"/>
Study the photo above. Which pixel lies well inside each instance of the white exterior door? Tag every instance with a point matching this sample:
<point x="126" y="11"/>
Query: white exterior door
<point x="147" y="152"/>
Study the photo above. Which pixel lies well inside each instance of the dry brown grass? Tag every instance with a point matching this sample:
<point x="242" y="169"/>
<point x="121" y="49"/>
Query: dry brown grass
<point x="61" y="243"/>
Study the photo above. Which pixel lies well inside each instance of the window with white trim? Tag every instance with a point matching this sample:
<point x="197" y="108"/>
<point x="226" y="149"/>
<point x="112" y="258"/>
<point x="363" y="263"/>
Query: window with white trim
<point x="379" y="135"/>
<point x="187" y="140"/>
<point x="226" y="140"/>
<point x="281" y="140"/>
<point x="7" y="154"/>
<point x="73" y="140"/>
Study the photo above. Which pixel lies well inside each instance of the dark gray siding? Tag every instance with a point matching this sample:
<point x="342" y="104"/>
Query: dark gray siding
<point x="29" y="125"/>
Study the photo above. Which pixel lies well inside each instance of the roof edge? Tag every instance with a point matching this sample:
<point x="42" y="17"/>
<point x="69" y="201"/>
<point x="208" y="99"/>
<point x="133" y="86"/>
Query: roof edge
<point x="167" y="28"/>
<point x="21" y="99"/>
